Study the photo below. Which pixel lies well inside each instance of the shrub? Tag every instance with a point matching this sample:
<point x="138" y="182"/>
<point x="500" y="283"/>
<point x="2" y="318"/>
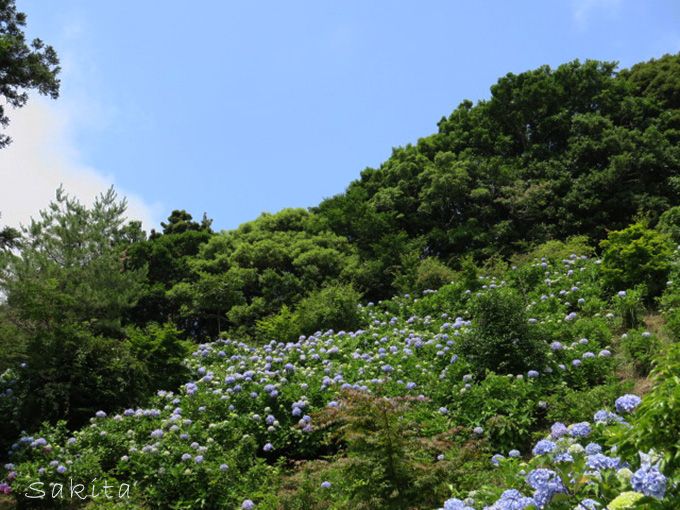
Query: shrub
<point x="432" y="274"/>
<point x="656" y="423"/>
<point x="389" y="462"/>
<point x="162" y="351"/>
<point x="333" y="307"/>
<point x="669" y="223"/>
<point x="282" y="326"/>
<point x="505" y="406"/>
<point x="636" y="256"/>
<point x="502" y="340"/>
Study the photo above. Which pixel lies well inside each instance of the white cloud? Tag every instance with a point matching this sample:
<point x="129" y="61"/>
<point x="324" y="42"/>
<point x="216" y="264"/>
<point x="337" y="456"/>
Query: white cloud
<point x="583" y="10"/>
<point x="43" y="156"/>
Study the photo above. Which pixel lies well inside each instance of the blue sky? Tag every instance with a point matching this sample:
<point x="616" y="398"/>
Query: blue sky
<point x="235" y="108"/>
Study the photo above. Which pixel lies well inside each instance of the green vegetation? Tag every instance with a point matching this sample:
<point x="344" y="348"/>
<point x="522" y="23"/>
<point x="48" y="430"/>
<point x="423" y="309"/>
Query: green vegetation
<point x="515" y="269"/>
<point x="23" y="68"/>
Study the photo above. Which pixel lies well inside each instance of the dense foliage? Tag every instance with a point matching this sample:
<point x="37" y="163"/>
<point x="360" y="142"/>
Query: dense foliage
<point x="394" y="414"/>
<point x="23" y="67"/>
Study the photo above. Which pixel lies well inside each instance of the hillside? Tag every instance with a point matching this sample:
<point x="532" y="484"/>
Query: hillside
<point x="399" y="413"/>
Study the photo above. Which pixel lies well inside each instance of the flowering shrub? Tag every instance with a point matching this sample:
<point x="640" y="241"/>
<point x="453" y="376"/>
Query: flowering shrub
<point x="571" y="469"/>
<point x="246" y="429"/>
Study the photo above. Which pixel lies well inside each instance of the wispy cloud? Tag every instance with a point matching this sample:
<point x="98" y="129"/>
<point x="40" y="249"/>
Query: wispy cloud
<point x="583" y="10"/>
<point x="44" y="156"/>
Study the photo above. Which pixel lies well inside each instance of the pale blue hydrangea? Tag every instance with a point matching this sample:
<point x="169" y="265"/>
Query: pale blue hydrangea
<point x="649" y="481"/>
<point x="580" y="429"/>
<point x="547" y="483"/>
<point x="600" y="461"/>
<point x="512" y="499"/>
<point x="456" y="504"/>
<point x="627" y="403"/>
<point x="558" y="430"/>
<point x="543" y="447"/>
<point x="588" y="504"/>
<point x="593" y="448"/>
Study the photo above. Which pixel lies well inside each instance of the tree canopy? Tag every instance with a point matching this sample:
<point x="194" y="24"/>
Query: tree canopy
<point x="23" y="66"/>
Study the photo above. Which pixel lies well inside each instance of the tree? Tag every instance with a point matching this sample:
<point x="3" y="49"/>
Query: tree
<point x="22" y="66"/>
<point x="8" y="238"/>
<point x="69" y="266"/>
<point x="66" y="292"/>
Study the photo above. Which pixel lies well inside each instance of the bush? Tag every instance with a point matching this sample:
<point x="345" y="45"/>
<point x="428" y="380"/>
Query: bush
<point x="670" y="301"/>
<point x="502" y="340"/>
<point x="162" y="351"/>
<point x="669" y="223"/>
<point x="505" y="406"/>
<point x="432" y="274"/>
<point x="283" y="326"/>
<point x="389" y="461"/>
<point x="70" y="374"/>
<point x="333" y="307"/>
<point x="636" y="256"/>
<point x="656" y="423"/>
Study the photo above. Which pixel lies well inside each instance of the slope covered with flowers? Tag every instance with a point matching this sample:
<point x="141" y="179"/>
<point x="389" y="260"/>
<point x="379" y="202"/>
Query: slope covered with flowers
<point x="265" y="425"/>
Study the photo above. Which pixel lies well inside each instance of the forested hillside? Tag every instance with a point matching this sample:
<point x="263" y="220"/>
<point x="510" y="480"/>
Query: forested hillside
<point x="515" y="271"/>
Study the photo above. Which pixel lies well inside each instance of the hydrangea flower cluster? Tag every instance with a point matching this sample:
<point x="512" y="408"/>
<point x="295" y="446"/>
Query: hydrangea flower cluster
<point x="562" y="464"/>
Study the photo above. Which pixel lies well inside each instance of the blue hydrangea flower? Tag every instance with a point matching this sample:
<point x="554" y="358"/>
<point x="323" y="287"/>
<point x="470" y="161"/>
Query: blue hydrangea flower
<point x="627" y="403"/>
<point x="588" y="504"/>
<point x="600" y="461"/>
<point x="649" y="481"/>
<point x="512" y="499"/>
<point x="563" y="457"/>
<point x="543" y="447"/>
<point x="593" y="448"/>
<point x="580" y="429"/>
<point x="547" y="483"/>
<point x="247" y="505"/>
<point x="456" y="504"/>
<point x="558" y="430"/>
